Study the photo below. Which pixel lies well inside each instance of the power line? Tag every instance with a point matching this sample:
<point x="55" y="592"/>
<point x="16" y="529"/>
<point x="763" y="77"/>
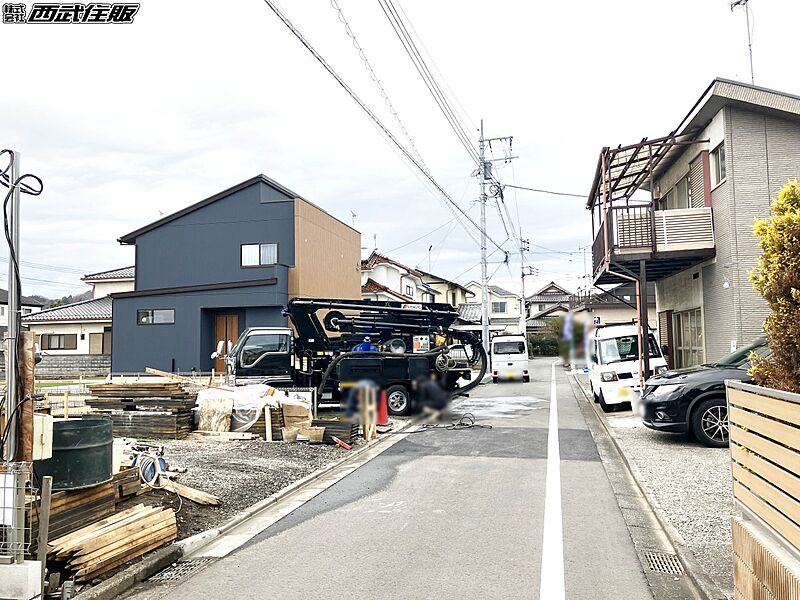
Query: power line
<point x="541" y="191"/>
<point x="422" y="237"/>
<point x="398" y="25"/>
<point x="375" y="120"/>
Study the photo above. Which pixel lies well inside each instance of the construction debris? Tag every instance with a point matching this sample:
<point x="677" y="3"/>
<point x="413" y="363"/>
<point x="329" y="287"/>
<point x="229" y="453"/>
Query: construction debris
<point x="184" y="491"/>
<point x="113" y="541"/>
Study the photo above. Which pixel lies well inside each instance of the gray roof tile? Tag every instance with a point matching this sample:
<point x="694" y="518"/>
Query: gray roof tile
<point x="97" y="309"/>
<point x="121" y="273"/>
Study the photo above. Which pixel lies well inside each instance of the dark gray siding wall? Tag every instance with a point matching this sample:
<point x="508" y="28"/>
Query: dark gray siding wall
<point x="204" y="246"/>
<point x="188" y="343"/>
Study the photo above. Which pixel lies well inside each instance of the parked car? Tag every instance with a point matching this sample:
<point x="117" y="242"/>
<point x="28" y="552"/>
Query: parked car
<point x="510" y="358"/>
<point x="614" y="364"/>
<point x="693" y="400"/>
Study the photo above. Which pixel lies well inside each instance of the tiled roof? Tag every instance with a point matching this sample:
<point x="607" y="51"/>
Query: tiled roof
<point x="470" y="312"/>
<point x="373" y="287"/>
<point x="98" y="309"/>
<point x="550" y="312"/>
<point x="25" y="301"/>
<point x="548" y="298"/>
<point x="504" y="321"/>
<point x="121" y="273"/>
<point x="552" y="285"/>
<point x="377" y="258"/>
<point x="496" y="289"/>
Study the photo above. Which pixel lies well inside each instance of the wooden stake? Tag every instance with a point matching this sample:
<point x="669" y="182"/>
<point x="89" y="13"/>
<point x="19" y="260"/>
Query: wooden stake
<point x="27" y="360"/>
<point x="44" y="522"/>
<point x="66" y="404"/>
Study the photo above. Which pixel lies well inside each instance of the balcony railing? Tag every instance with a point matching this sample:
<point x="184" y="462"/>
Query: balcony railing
<point x="637" y="230"/>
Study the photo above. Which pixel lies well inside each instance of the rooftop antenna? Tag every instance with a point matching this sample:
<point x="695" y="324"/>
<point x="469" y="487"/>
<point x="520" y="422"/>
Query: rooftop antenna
<point x="354" y="215"/>
<point x="744" y="3"/>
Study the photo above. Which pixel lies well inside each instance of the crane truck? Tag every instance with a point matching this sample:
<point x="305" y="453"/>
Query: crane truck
<point x="321" y="349"/>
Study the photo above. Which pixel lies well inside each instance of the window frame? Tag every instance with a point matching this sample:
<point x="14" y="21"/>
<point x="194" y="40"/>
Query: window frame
<point x="153" y="310"/>
<point x="409" y="290"/>
<point x="499" y="303"/>
<point x="688" y="333"/>
<point x="260" y="264"/>
<point x="716" y="163"/>
<point x="63" y="337"/>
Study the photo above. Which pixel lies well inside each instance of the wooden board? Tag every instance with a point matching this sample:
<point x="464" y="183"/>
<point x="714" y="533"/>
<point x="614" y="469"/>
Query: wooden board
<point x="769" y="407"/>
<point x="780" y="432"/>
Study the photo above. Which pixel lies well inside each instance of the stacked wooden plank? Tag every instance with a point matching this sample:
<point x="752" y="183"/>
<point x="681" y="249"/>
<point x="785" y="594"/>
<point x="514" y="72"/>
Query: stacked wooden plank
<point x="113" y="541"/>
<point x="126" y="484"/>
<point x="71" y="510"/>
<point x="259" y="428"/>
<point x="344" y="429"/>
<point x="147" y="410"/>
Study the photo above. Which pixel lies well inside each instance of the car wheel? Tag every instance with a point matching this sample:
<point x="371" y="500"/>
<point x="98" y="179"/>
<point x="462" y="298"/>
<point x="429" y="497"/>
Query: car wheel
<point x="607" y="408"/>
<point x="495" y="380"/>
<point x="710" y="423"/>
<point x="595" y="397"/>
<point x="398" y="400"/>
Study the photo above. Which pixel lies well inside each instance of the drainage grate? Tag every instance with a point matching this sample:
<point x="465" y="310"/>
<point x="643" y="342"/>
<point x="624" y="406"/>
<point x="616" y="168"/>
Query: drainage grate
<point x="663" y="562"/>
<point x="180" y="570"/>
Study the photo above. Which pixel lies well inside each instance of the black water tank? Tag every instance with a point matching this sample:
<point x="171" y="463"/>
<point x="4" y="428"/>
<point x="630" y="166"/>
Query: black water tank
<point x="82" y="451"/>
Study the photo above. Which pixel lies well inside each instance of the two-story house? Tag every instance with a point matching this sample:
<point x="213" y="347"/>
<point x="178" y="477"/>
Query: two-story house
<point x="615" y="305"/>
<point x="231" y="261"/>
<point x="692" y="233"/>
<point x="548" y="303"/>
<point x="449" y="292"/>
<point x="383" y="278"/>
<point x="505" y="309"/>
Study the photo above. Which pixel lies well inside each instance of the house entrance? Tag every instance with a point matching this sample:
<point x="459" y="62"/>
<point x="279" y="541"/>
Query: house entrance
<point x="226" y="328"/>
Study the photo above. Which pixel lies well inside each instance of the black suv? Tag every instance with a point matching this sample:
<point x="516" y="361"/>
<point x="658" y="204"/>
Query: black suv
<point x="693" y="400"/>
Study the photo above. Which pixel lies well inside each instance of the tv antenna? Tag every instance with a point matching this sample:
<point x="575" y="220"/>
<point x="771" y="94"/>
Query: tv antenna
<point x="744" y="3"/>
<point x="353" y="215"/>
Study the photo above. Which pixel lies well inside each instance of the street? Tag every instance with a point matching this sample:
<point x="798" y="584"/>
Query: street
<point x="445" y="513"/>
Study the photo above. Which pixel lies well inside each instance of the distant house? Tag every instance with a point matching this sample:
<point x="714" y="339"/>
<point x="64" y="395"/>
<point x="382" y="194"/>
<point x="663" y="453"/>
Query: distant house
<point x="451" y="293"/>
<point x="228" y="262"/>
<point x="548" y="303"/>
<point x="82" y="328"/>
<point x="616" y="305"/>
<point x="28" y="306"/>
<point x="504" y="309"/>
<point x="383" y="278"/>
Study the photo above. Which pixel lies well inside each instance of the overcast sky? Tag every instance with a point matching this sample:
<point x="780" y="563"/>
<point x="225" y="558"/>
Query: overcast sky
<point x="130" y="122"/>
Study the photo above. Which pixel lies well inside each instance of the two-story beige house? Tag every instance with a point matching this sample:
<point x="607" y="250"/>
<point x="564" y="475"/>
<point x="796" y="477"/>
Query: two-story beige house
<point x="679" y="210"/>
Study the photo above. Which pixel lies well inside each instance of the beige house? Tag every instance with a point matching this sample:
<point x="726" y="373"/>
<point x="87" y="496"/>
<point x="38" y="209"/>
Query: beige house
<point x="449" y="292"/>
<point x="383" y="278"/>
<point x="505" y="309"/>
<point x="82" y="328"/>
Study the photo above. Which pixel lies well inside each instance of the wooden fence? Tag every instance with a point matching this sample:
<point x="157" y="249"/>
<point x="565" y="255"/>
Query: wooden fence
<point x="765" y="463"/>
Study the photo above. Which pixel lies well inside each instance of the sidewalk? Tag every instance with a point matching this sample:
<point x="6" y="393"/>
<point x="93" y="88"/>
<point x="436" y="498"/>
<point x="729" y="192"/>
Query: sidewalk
<point x="690" y="484"/>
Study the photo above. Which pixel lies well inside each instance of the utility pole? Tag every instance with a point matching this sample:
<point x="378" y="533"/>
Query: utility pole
<point x="12" y="345"/>
<point x="482" y="168"/>
<point x="524" y="246"/>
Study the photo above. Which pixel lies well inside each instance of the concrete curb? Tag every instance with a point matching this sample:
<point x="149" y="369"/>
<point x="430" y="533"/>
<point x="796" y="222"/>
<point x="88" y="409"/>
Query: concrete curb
<point x="703" y="584"/>
<point x="124" y="580"/>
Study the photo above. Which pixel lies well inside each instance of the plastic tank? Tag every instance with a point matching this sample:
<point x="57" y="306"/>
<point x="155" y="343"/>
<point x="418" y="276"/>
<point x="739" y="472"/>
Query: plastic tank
<point x="82" y="454"/>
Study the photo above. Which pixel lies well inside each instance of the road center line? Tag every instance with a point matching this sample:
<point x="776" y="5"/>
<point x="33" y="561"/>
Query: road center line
<point x="551" y="578"/>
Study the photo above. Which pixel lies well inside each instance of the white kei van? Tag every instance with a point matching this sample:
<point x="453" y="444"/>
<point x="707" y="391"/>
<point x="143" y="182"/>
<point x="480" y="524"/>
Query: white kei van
<point x="509" y="357"/>
<point x="614" y="364"/>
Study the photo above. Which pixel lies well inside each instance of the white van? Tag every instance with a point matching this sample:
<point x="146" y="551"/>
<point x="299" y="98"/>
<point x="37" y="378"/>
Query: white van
<point x="614" y="364"/>
<point x="509" y="357"/>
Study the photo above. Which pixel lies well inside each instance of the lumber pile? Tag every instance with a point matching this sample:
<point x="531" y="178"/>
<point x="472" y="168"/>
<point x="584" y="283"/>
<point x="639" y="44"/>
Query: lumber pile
<point x="71" y="510"/>
<point x="344" y="429"/>
<point x="113" y="541"/>
<point x="126" y="484"/>
<point x="147" y="410"/>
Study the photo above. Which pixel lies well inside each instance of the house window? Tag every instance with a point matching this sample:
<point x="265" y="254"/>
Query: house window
<point x="718" y="164"/>
<point x="498" y="307"/>
<point x="155" y="316"/>
<point x="2" y="311"/>
<point x="427" y="297"/>
<point x="687" y="331"/>
<point x="542" y="307"/>
<point x="683" y="193"/>
<point x="410" y="291"/>
<point x="259" y="255"/>
<point x="26" y="311"/>
<point x="100" y="343"/>
<point x="63" y="341"/>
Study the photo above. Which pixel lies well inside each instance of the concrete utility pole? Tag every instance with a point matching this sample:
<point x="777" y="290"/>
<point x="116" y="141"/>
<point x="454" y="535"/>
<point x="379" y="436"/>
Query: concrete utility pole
<point x="524" y="246"/>
<point x="482" y="168"/>
<point x="12" y="381"/>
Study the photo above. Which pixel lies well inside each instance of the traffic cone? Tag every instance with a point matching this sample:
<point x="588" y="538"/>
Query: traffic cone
<point x="383" y="412"/>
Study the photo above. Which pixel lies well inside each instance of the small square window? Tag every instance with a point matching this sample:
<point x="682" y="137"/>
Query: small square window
<point x="410" y="291"/>
<point x="718" y="164"/>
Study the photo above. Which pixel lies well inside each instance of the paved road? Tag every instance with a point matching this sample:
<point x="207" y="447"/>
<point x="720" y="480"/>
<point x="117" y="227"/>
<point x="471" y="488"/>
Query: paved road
<point x="454" y="514"/>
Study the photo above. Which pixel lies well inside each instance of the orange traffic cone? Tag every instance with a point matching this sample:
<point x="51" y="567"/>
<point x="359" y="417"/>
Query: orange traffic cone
<point x="383" y="411"/>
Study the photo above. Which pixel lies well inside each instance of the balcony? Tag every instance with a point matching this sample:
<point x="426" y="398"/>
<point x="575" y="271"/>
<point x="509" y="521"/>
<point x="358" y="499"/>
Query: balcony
<point x="667" y="240"/>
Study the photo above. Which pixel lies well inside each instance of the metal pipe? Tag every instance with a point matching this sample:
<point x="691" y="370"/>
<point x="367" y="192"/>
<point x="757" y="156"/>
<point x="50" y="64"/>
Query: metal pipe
<point x="12" y="347"/>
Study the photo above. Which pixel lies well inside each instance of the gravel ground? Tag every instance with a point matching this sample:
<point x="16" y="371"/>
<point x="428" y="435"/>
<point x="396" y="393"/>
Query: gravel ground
<point x="691" y="484"/>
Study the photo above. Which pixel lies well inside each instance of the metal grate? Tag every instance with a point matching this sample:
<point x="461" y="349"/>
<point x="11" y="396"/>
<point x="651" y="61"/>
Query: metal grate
<point x="180" y="570"/>
<point x="15" y="534"/>
<point x="663" y="562"/>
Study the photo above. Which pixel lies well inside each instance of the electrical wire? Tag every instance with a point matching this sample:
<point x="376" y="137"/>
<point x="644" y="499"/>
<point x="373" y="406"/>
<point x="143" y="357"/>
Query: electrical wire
<point x="375" y="120"/>
<point x="398" y="25"/>
<point x="541" y="191"/>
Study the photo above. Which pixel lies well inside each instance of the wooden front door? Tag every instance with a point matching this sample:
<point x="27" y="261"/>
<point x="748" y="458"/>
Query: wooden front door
<point x="226" y="328"/>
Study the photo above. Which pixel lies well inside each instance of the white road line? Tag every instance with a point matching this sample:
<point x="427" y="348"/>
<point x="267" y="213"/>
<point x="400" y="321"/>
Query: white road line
<point x="551" y="578"/>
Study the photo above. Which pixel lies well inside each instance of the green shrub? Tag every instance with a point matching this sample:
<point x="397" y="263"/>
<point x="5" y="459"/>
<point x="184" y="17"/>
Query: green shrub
<point x="777" y="278"/>
<point x="542" y="344"/>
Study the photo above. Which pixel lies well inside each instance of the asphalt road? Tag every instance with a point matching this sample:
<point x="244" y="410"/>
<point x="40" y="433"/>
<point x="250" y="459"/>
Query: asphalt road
<point x="454" y="514"/>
